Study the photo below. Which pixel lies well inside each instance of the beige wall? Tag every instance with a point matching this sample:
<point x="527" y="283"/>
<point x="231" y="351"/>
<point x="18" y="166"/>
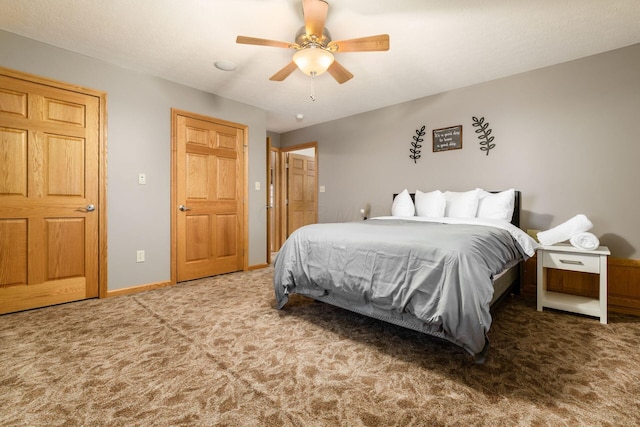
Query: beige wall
<point x="567" y="136"/>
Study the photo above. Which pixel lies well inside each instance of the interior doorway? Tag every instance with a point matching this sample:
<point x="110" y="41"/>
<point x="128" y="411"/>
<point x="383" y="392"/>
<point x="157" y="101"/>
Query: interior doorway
<point x="292" y="191"/>
<point x="208" y="192"/>
<point x="52" y="192"/>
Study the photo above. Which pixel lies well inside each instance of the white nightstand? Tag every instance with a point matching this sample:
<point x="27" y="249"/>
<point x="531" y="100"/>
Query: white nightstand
<point x="568" y="257"/>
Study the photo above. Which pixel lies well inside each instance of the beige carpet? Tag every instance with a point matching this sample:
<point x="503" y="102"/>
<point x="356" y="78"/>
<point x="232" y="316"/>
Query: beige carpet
<point x="215" y="352"/>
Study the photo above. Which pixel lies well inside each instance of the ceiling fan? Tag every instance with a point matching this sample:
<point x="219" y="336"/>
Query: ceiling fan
<point x="314" y="47"/>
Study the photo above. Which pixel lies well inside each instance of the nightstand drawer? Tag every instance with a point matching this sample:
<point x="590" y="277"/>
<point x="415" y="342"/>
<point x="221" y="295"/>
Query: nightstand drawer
<point x="573" y="262"/>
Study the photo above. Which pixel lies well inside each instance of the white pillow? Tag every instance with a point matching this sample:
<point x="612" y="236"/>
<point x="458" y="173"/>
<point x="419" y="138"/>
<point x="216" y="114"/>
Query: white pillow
<point x="496" y="205"/>
<point x="403" y="205"/>
<point x="461" y="204"/>
<point x="430" y="204"/>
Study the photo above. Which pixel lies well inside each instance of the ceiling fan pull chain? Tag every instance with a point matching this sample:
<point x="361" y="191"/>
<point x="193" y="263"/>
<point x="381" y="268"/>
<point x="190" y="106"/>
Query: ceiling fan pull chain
<point x="313" y="80"/>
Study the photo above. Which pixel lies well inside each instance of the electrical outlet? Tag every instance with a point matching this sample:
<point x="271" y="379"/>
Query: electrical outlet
<point x="142" y="178"/>
<point x="140" y="256"/>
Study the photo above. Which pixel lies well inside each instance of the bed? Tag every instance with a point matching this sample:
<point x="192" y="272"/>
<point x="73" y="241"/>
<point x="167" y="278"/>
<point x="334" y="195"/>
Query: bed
<point x="439" y="274"/>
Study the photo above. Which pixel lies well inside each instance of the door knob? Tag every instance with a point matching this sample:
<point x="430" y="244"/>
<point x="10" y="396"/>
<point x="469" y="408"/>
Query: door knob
<point x="183" y="208"/>
<point x="90" y="208"/>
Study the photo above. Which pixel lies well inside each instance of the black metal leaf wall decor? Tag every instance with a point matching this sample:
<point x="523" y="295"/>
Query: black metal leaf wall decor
<point x="415" y="144"/>
<point x="484" y="137"/>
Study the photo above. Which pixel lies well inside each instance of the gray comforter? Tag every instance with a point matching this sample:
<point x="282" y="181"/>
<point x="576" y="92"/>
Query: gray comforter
<point x="439" y="273"/>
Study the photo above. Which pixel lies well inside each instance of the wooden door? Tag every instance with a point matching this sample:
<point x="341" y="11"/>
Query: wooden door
<point x="209" y="205"/>
<point x="274" y="222"/>
<point x="302" y="207"/>
<point x="49" y="165"/>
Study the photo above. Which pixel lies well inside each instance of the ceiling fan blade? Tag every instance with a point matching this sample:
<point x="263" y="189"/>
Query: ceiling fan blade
<point x="362" y="44"/>
<point x="265" y="42"/>
<point x="284" y="72"/>
<point x="315" y="15"/>
<point x="339" y="73"/>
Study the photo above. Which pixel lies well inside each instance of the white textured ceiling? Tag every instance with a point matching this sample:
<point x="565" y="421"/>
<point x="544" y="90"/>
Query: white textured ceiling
<point x="436" y="45"/>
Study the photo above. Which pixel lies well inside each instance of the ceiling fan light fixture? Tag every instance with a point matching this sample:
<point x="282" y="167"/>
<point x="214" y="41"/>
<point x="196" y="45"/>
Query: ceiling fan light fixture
<point x="312" y="60"/>
<point x="314" y="46"/>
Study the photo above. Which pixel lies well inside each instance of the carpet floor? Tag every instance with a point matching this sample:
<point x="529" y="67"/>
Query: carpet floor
<point x="215" y="352"/>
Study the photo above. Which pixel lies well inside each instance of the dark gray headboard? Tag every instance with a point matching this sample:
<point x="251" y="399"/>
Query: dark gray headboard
<point x="517" y="205"/>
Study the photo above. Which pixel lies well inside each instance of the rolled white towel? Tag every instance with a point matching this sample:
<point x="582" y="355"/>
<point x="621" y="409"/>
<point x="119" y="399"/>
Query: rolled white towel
<point x="578" y="224"/>
<point x="586" y="241"/>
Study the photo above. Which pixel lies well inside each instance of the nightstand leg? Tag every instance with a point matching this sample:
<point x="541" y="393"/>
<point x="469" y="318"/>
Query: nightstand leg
<point x="603" y="289"/>
<point x="541" y="287"/>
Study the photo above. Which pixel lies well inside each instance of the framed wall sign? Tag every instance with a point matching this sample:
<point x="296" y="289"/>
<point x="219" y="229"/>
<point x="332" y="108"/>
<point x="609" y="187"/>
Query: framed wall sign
<point x="447" y="138"/>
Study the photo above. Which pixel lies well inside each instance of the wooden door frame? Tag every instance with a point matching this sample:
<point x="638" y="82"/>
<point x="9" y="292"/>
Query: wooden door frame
<point x="270" y="208"/>
<point x="174" y="191"/>
<point x="283" y="182"/>
<point x="276" y="209"/>
<point x="102" y="162"/>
